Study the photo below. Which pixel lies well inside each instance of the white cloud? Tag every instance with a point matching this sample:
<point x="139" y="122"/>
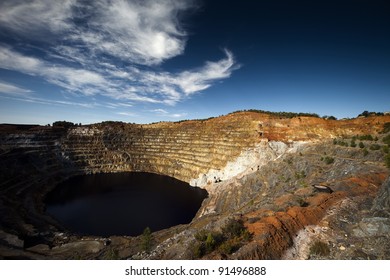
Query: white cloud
<point x="107" y="47"/>
<point x="201" y="79"/>
<point x="36" y="17"/>
<point x="45" y="101"/>
<point x="160" y="111"/>
<point x="126" y="114"/>
<point x="78" y="80"/>
<point x="12" y="89"/>
<point x="165" y="113"/>
<point x="143" y="32"/>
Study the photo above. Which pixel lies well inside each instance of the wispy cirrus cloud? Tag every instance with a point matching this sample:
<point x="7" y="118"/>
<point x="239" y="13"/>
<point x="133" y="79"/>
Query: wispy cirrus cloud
<point x="37" y="18"/>
<point x="73" y="79"/>
<point x="165" y="113"/>
<point x="11" y="89"/>
<point x="107" y="48"/>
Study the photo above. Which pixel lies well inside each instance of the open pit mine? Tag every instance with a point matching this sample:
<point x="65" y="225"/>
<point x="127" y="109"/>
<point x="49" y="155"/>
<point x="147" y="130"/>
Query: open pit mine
<point x="278" y="187"/>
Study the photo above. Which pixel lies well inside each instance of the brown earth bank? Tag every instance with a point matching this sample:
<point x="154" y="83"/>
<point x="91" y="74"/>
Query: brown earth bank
<point x="266" y="164"/>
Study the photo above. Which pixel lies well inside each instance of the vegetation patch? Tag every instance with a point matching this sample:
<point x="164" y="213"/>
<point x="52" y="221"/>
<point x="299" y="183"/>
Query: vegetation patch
<point x="366" y="137"/>
<point x="375" y="147"/>
<point x="319" y="248"/>
<point x="328" y="160"/>
<point x="286" y="115"/>
<point x="386" y="128"/>
<point x="146" y="239"/>
<point x="386" y="139"/>
<point x="387" y="160"/>
<point x="231" y="237"/>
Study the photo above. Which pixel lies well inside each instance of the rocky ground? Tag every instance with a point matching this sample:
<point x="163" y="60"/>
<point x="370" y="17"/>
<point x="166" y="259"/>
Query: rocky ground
<point x="267" y="184"/>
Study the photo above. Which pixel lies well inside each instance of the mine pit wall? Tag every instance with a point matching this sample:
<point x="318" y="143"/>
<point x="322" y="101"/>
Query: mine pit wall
<point x="192" y="149"/>
<point x="181" y="150"/>
<point x="35" y="160"/>
<point x="185" y="150"/>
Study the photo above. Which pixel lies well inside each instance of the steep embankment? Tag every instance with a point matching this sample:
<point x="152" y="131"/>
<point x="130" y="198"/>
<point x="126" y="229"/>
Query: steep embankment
<point x="237" y="148"/>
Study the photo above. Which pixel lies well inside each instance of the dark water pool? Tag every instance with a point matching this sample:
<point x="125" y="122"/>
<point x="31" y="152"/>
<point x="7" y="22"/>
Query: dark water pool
<point x="123" y="203"/>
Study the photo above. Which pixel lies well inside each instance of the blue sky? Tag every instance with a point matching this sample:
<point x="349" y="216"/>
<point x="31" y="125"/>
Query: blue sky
<point x="147" y="61"/>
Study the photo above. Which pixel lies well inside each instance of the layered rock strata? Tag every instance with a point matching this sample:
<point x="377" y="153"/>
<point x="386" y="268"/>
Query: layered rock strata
<point x="235" y="149"/>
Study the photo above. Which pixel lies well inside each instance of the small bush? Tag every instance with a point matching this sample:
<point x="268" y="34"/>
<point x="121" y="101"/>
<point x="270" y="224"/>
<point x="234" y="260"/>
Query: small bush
<point x="366" y="137"/>
<point x="386" y="127"/>
<point x="210" y="242"/>
<point x="230" y="246"/>
<point x="319" y="248"/>
<point x="361" y="145"/>
<point x="147" y="239"/>
<point x="342" y="143"/>
<point x="232" y="236"/>
<point x="385" y="149"/>
<point x="201" y="235"/>
<point x="387" y="160"/>
<point x="386" y="139"/>
<point x="328" y="160"/>
<point x="375" y="147"/>
<point x="365" y="152"/>
<point x="198" y="250"/>
<point x="353" y="144"/>
<point x="233" y="228"/>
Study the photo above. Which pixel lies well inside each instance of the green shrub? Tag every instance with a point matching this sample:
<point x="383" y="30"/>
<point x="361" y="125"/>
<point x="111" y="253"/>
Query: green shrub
<point x="342" y="143"/>
<point x="385" y="149"/>
<point x="328" y="160"/>
<point x="230" y="246"/>
<point x="232" y="236"/>
<point x="387" y="160"/>
<point x="146" y="239"/>
<point x="207" y="241"/>
<point x="198" y="250"/>
<point x="233" y="228"/>
<point x="386" y="139"/>
<point x="353" y="143"/>
<point x="361" y="145"/>
<point x="366" y="137"/>
<point x="64" y="124"/>
<point x="288" y="115"/>
<point x="201" y="235"/>
<point x="319" y="248"/>
<point x="375" y="147"/>
<point x="365" y="152"/>
<point x="210" y="242"/>
<point x="386" y="127"/>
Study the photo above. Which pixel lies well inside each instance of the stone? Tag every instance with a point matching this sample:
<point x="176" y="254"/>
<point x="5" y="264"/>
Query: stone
<point x="375" y="226"/>
<point x="40" y="248"/>
<point x="11" y="239"/>
<point x="87" y="246"/>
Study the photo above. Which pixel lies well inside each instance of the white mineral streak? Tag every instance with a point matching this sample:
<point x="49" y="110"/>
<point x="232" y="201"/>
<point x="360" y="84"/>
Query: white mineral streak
<point x="250" y="160"/>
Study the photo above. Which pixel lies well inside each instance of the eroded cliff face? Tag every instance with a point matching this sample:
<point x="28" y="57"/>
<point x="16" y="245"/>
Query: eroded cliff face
<point x="250" y="163"/>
